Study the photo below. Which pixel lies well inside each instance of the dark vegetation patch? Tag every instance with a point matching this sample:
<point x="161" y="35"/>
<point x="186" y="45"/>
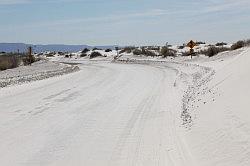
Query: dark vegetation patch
<point x="94" y="55"/>
<point x="108" y="50"/>
<point x="211" y="51"/>
<point x="167" y="52"/>
<point x="13" y="60"/>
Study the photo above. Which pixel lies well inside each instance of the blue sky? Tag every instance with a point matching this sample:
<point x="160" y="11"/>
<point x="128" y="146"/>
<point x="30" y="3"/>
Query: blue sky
<point x="123" y="22"/>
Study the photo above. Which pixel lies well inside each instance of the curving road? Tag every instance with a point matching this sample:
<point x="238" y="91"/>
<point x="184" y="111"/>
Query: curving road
<point x="104" y="115"/>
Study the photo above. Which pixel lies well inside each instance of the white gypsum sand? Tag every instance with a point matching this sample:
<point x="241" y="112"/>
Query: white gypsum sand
<point x="141" y="112"/>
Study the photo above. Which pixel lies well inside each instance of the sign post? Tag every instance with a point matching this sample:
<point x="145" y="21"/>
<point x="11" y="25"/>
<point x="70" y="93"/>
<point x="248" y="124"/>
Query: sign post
<point x="30" y="55"/>
<point x="117" y="50"/>
<point x="191" y="45"/>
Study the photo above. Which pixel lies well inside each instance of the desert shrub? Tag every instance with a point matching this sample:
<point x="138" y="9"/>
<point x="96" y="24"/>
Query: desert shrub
<point x="145" y="51"/>
<point x="60" y="53"/>
<point x="154" y="48"/>
<point x="94" y="49"/>
<point x="137" y="52"/>
<point x="186" y="53"/>
<point x="9" y="61"/>
<point x="108" y="50"/>
<point x="85" y="50"/>
<point x="68" y="56"/>
<point x="220" y="44"/>
<point x="200" y="42"/>
<point x="83" y="54"/>
<point x="127" y="50"/>
<point x="94" y="55"/>
<point x="238" y="44"/>
<point x="165" y="52"/>
<point x="247" y="42"/>
<point x="4" y="64"/>
<point x="211" y="51"/>
<point x="181" y="47"/>
<point x="122" y="51"/>
<point x="49" y="55"/>
<point x="149" y="53"/>
<point x="28" y="60"/>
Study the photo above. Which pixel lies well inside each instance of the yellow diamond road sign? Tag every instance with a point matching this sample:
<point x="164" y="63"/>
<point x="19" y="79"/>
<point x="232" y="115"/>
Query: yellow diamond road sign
<point x="191" y="44"/>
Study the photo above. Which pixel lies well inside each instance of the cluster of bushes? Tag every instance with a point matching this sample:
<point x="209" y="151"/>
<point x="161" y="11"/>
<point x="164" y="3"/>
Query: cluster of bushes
<point x="181" y="47"/>
<point x="13" y="60"/>
<point x="214" y="50"/>
<point x="29" y="60"/>
<point x="127" y="50"/>
<point x="154" y="48"/>
<point x="220" y="44"/>
<point x="166" y="52"/>
<point x="94" y="49"/>
<point x="186" y="53"/>
<point x="9" y="61"/>
<point x="94" y="55"/>
<point x="84" y="52"/>
<point x="108" y="50"/>
<point x="211" y="51"/>
<point x="68" y="56"/>
<point x="50" y="54"/>
<point x="137" y="51"/>
<point x="144" y="52"/>
<point x="200" y="42"/>
<point x="240" y="44"/>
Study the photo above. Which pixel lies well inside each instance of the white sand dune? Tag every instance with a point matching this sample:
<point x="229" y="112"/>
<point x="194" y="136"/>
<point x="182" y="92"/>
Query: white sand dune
<point x="141" y="113"/>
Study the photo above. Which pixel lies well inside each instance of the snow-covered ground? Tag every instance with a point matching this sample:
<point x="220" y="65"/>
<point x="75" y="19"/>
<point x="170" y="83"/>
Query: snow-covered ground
<point x="133" y="111"/>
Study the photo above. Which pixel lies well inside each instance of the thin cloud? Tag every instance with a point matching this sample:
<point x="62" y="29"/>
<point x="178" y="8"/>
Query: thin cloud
<point x="103" y="19"/>
<point x="222" y="5"/>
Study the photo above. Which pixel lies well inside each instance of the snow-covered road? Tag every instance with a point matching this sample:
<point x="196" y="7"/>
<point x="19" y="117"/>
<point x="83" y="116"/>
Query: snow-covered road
<point x="107" y="114"/>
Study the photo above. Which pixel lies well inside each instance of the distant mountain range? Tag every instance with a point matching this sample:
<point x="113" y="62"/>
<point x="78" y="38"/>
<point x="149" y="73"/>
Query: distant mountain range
<point x="22" y="47"/>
